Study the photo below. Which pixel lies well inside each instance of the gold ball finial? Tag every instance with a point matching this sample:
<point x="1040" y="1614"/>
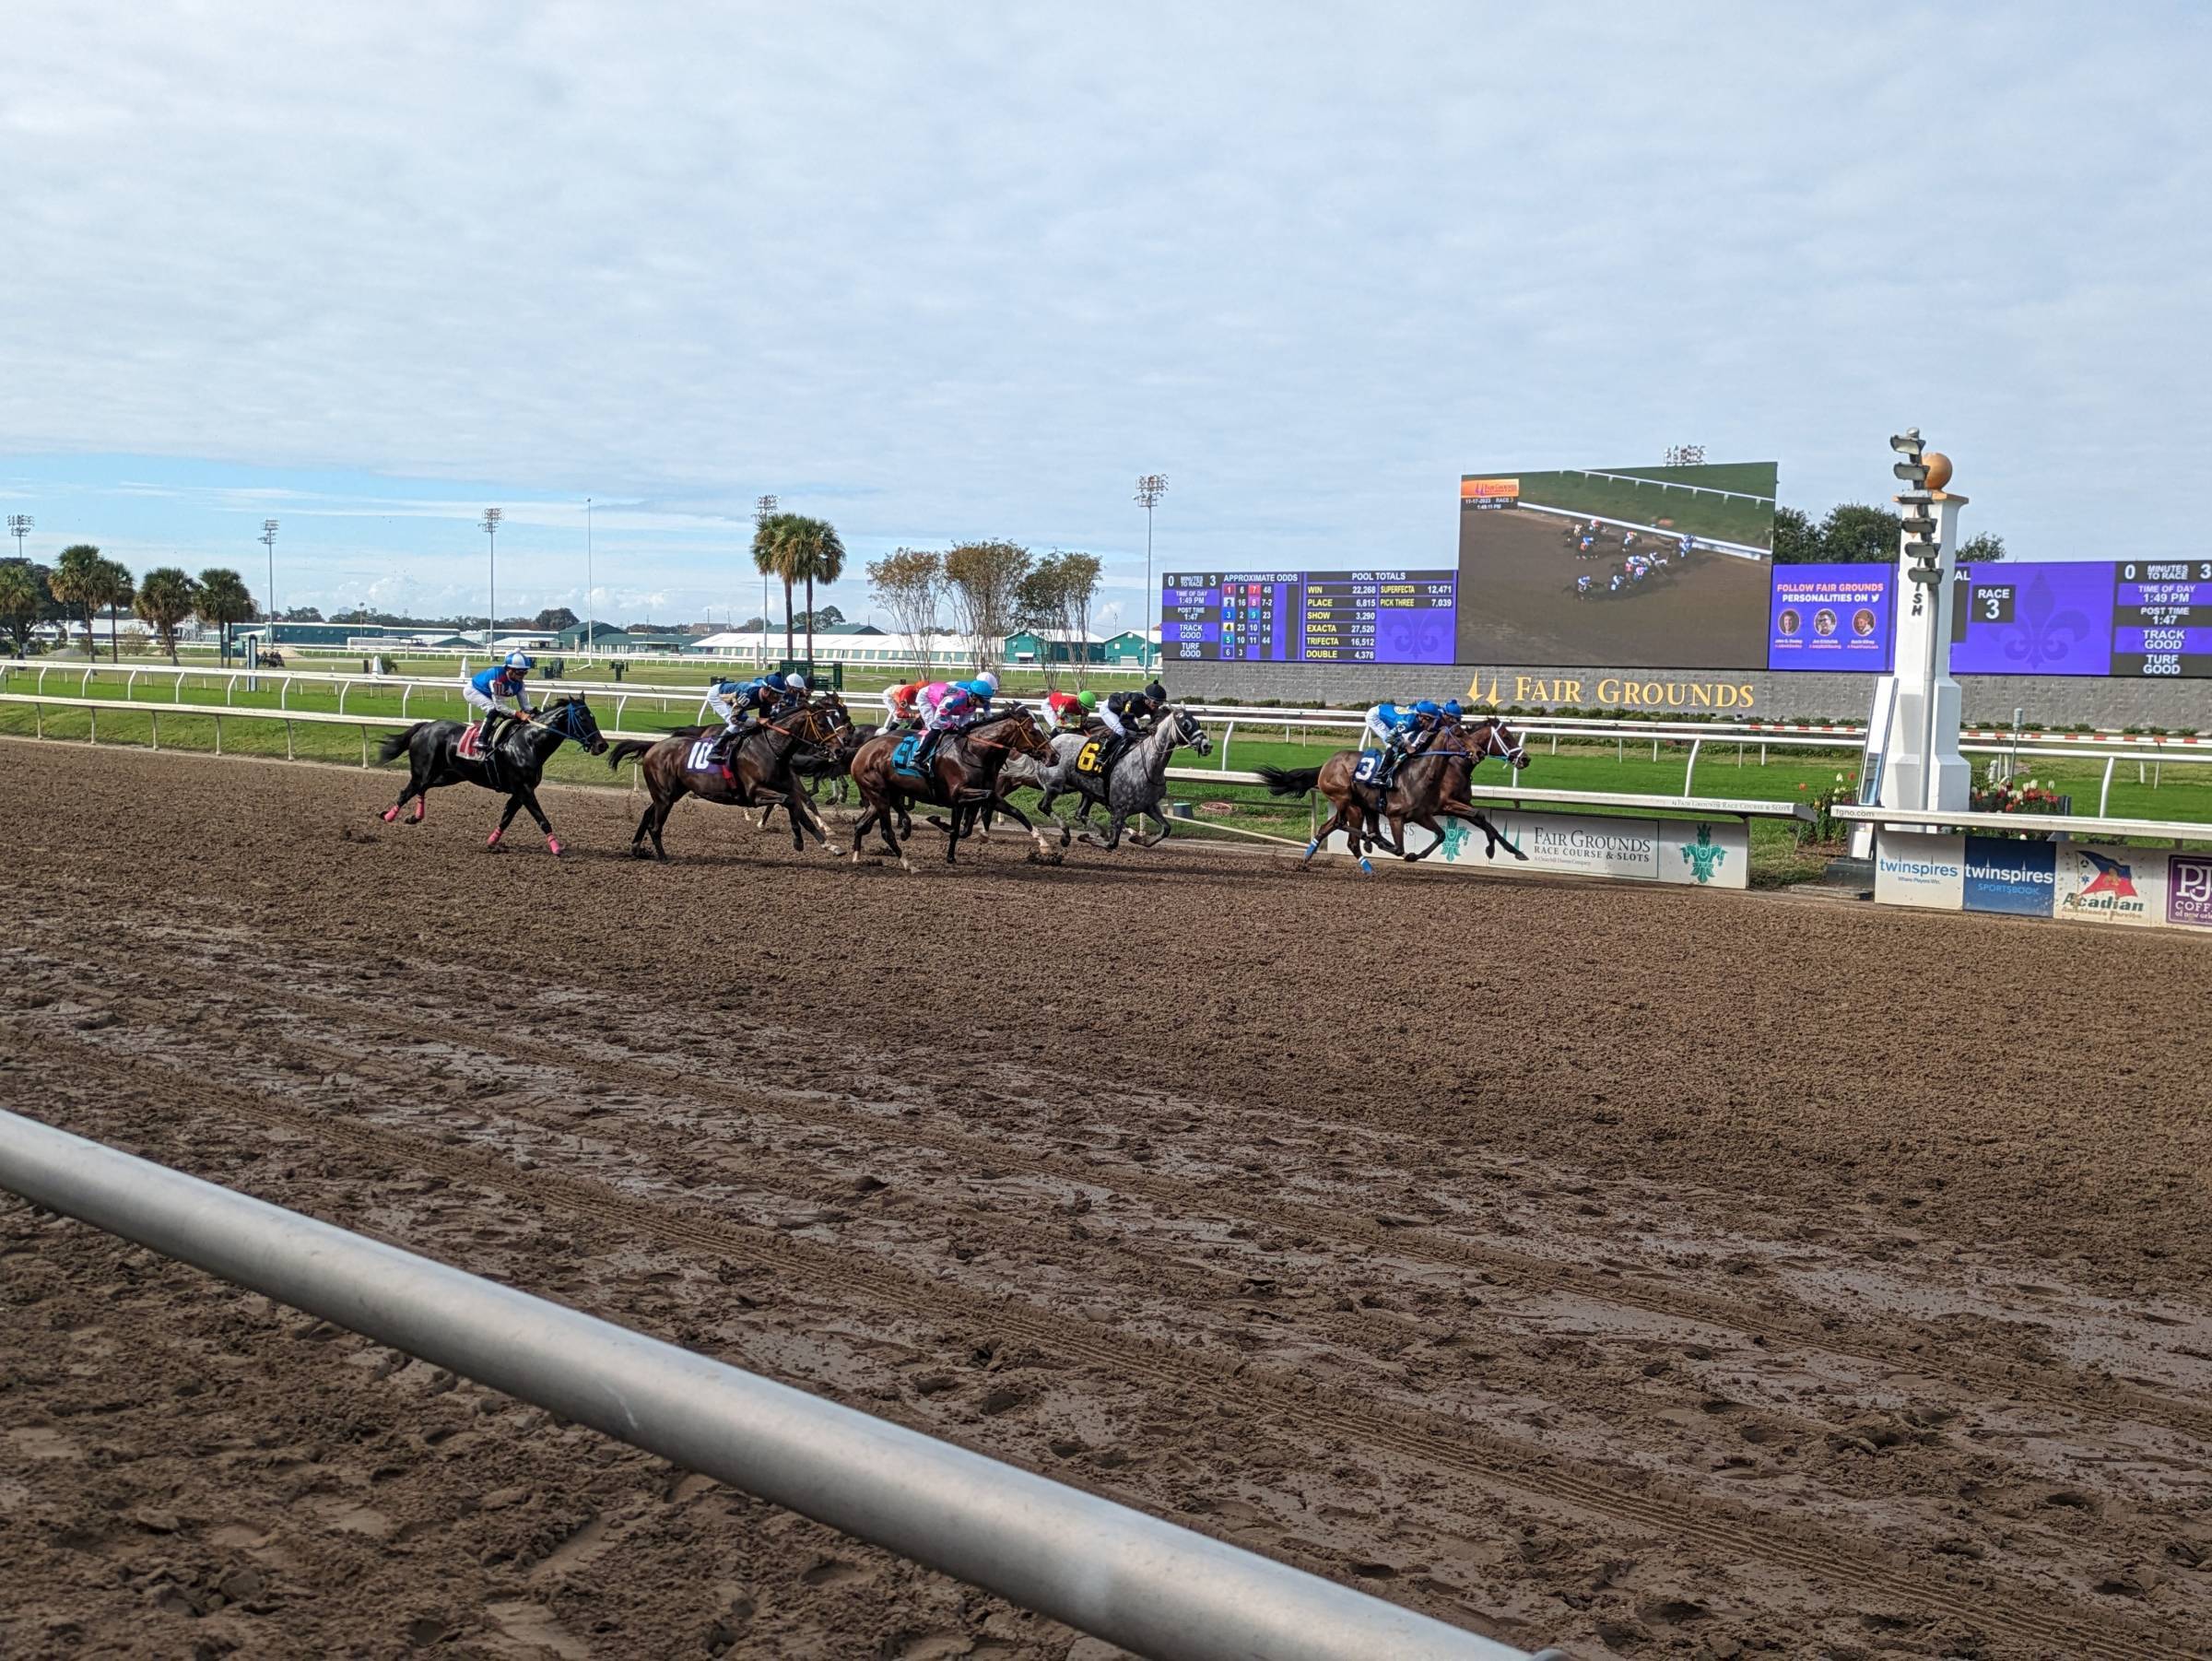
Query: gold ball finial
<point x="1939" y="469"/>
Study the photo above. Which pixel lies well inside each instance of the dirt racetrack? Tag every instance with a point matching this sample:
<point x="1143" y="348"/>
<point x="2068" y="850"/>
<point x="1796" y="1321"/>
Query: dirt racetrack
<point x="1648" y="1272"/>
<point x="1517" y="603"/>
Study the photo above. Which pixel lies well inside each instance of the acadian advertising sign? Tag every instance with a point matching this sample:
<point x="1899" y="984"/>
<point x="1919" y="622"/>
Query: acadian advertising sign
<point x="2006" y="875"/>
<point x="1701" y="852"/>
<point x="2110" y="884"/>
<point x="1910" y="868"/>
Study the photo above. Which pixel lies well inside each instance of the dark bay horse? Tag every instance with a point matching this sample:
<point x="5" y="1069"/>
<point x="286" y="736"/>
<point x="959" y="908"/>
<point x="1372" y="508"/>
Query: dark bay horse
<point x="758" y="773"/>
<point x="518" y="762"/>
<point x="1430" y="786"/>
<point x="963" y="777"/>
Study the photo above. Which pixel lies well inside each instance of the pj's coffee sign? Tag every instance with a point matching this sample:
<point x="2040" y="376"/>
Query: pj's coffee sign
<point x="1622" y="691"/>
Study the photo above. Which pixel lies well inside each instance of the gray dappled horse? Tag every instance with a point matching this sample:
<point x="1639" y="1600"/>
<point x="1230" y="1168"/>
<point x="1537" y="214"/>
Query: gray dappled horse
<point x="1132" y="789"/>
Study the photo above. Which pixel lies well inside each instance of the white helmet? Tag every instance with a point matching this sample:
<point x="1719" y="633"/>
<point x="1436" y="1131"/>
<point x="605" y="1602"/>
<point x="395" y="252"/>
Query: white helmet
<point x="989" y="679"/>
<point x="520" y="660"/>
<point x="797" y="683"/>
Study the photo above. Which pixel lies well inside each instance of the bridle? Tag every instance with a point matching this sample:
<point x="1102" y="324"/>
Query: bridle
<point x="561" y="718"/>
<point x="1494" y="744"/>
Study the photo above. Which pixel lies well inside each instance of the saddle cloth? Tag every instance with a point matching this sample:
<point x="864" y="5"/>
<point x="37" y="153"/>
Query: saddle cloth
<point x="1370" y="769"/>
<point x="467" y="748"/>
<point x="902" y="756"/>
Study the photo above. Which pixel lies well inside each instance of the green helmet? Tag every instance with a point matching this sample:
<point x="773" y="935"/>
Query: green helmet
<point x="1090" y="701"/>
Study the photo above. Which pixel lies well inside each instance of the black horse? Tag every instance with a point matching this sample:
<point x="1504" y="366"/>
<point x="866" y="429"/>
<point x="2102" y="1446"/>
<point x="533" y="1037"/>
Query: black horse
<point x="514" y="767"/>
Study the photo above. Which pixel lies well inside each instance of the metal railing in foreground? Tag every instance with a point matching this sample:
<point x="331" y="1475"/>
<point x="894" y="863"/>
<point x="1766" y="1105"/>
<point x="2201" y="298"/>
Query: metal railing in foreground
<point x="1707" y="807"/>
<point x="1119" y="1574"/>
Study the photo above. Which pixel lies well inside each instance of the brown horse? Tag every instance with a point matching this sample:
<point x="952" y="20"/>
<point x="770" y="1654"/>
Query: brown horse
<point x="1430" y="786"/>
<point x="963" y="777"/>
<point x="758" y="773"/>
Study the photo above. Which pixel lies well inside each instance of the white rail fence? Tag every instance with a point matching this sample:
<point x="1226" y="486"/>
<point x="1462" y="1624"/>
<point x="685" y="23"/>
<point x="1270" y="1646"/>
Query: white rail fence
<point x="1837" y="735"/>
<point x="684" y="700"/>
<point x="1118" y="1573"/>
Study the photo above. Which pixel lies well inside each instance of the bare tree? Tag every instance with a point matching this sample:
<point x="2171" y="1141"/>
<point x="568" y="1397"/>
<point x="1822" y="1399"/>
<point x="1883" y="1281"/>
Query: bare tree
<point x="909" y="584"/>
<point x="1055" y="601"/>
<point x="983" y="580"/>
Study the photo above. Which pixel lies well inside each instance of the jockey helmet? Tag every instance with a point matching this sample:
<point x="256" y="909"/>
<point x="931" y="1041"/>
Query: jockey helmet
<point x="794" y="683"/>
<point x="1428" y="706"/>
<point x="1157" y="693"/>
<point x="520" y="660"/>
<point x="1452" y="708"/>
<point x="989" y="682"/>
<point x="1088" y="698"/>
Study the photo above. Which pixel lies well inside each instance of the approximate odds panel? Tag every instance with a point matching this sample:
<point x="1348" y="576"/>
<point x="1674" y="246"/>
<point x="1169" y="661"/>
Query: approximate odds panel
<point x="2126" y="618"/>
<point x="1321" y="617"/>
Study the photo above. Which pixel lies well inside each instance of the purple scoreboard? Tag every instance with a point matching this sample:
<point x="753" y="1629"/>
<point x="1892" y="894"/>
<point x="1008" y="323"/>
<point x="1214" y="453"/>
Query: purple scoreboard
<point x="1314" y="617"/>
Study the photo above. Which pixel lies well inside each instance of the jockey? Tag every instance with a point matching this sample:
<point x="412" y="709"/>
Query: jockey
<point x="1070" y="710"/>
<point x="1581" y="585"/>
<point x="949" y="706"/>
<point x="741" y="702"/>
<point x="1685" y="545"/>
<point x="902" y="704"/>
<point x="1127" y="715"/>
<point x="497" y="693"/>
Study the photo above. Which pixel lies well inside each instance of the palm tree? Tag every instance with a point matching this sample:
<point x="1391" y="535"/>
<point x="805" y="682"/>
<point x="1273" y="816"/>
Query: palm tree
<point x="21" y="597"/>
<point x="224" y="600"/>
<point x="77" y="581"/>
<point x="816" y="553"/>
<point x="165" y="599"/>
<point x="116" y="591"/>
<point x="776" y="554"/>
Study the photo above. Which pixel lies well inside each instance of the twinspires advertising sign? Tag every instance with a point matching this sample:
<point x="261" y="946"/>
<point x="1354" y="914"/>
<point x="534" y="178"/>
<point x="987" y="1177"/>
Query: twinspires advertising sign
<point x="2006" y="874"/>
<point x="1698" y="852"/>
<point x="1910" y="868"/>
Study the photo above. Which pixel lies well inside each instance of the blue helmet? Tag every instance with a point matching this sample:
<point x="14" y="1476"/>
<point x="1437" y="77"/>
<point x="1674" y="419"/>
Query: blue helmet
<point x="520" y="660"/>
<point x="1452" y="708"/>
<point x="1428" y="706"/>
<point x="979" y="688"/>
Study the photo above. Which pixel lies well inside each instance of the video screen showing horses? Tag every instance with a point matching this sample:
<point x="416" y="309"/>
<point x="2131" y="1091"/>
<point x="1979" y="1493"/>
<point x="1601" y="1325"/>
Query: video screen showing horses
<point x="1659" y="568"/>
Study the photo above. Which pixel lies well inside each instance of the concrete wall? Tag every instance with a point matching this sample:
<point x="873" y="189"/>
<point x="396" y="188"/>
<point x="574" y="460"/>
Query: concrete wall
<point x="2047" y="699"/>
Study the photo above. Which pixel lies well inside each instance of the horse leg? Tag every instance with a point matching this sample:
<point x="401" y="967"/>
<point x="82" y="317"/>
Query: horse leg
<point x="1493" y="839"/>
<point x="529" y="800"/>
<point x="1002" y="805"/>
<point x="514" y="803"/>
<point x="805" y="817"/>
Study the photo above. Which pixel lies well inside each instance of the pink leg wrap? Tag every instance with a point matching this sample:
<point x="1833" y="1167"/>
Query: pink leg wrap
<point x="390" y="814"/>
<point x="492" y="841"/>
<point x="553" y="844"/>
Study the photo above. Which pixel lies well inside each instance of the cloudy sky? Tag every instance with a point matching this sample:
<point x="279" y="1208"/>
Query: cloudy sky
<point x="945" y="272"/>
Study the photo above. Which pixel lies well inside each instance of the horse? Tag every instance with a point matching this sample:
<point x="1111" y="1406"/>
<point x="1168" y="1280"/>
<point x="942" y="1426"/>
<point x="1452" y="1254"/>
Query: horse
<point x="964" y="771"/>
<point x="1428" y="785"/>
<point x="1133" y="789"/>
<point x="758" y="773"/>
<point x="516" y="765"/>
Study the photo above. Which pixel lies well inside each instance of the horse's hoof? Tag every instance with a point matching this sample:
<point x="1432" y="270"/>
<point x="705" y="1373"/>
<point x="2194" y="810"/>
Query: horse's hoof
<point x="388" y="815"/>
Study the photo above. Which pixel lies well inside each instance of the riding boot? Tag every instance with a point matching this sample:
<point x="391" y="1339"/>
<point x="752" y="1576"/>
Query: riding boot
<point x="487" y="741"/>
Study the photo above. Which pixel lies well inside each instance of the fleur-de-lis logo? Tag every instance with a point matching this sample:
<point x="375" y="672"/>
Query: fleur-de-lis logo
<point x="2034" y="638"/>
<point x="1703" y="857"/>
<point x="1456" y="832"/>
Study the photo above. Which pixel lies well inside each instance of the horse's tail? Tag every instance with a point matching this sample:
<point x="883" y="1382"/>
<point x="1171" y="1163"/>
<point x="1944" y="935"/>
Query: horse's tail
<point x="1290" y="781"/>
<point x="627" y="749"/>
<point x="395" y="742"/>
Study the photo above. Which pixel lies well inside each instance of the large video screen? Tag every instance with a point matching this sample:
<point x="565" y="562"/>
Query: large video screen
<point x="1628" y="567"/>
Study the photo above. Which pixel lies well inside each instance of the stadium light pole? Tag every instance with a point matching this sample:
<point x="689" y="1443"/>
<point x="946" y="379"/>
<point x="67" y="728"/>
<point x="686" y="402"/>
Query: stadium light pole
<point x="1150" y="487"/>
<point x="268" y="540"/>
<point x="491" y="526"/>
<point x="18" y="526"/>
<point x="763" y="510"/>
<point x="587" y="577"/>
